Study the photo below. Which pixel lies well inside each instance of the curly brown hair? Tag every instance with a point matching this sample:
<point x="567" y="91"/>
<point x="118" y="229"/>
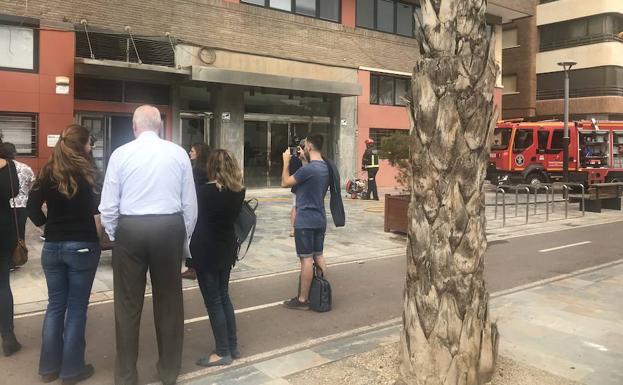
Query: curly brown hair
<point x="223" y="168"/>
<point x="68" y="162"/>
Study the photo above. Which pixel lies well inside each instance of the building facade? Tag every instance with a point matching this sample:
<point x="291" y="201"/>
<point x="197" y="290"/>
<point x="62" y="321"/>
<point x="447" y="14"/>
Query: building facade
<point x="591" y="34"/>
<point x="249" y="76"/>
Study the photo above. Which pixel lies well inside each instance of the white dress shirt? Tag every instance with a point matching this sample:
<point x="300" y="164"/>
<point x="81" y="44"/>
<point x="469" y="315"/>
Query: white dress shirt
<point x="148" y="176"/>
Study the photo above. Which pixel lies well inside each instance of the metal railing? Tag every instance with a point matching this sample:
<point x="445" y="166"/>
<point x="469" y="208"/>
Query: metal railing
<point x="580" y="92"/>
<point x="549" y="190"/>
<point x="579" y="41"/>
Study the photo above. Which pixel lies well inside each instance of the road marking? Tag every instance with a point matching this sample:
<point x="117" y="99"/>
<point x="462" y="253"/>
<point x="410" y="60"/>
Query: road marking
<point x="565" y="246"/>
<point x="239" y="311"/>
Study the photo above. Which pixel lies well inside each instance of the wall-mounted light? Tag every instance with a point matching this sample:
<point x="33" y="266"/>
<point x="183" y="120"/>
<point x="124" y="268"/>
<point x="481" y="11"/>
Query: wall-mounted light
<point x="62" y="85"/>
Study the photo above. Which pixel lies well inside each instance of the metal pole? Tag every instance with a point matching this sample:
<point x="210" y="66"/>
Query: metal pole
<point x="565" y="148"/>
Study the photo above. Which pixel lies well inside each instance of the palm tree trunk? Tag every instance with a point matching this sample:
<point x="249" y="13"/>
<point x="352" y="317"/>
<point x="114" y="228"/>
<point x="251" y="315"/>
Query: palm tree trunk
<point x="448" y="337"/>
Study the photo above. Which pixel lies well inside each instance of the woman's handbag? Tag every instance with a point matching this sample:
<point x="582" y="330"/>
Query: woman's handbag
<point x="244" y="226"/>
<point x="20" y="254"/>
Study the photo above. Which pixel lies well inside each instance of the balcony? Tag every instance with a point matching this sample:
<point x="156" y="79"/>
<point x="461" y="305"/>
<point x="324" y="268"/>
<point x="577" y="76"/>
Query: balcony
<point x="576" y="42"/>
<point x="579" y="93"/>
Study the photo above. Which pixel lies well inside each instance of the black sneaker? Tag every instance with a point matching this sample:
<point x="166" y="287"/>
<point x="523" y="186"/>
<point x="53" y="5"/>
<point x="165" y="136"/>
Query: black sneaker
<point x="294" y="303"/>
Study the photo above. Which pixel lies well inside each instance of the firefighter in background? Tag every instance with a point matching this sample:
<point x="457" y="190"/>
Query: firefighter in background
<point x="370" y="163"/>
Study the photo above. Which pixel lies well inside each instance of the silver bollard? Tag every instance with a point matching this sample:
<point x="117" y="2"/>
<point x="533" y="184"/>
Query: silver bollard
<point x="565" y="191"/>
<point x="501" y="190"/>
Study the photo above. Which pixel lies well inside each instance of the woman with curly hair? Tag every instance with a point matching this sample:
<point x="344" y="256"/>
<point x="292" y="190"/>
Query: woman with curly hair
<point x="214" y="250"/>
<point x="70" y="255"/>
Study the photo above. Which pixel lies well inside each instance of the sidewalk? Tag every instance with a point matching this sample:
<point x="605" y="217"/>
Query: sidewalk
<point x="273" y="249"/>
<point x="564" y="330"/>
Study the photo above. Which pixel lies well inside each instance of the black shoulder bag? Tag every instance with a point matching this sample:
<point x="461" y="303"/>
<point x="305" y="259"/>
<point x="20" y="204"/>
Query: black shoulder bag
<point x="245" y="224"/>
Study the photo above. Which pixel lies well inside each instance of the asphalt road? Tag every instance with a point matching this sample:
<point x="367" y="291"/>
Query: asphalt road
<point x="364" y="294"/>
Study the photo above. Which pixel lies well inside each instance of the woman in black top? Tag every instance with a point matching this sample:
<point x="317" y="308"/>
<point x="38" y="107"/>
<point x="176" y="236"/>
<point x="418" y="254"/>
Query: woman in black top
<point x="70" y="254"/>
<point x="8" y="241"/>
<point x="214" y="249"/>
<point x="199" y="158"/>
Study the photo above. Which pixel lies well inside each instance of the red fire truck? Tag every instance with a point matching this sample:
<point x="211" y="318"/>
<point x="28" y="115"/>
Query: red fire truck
<point x="532" y="152"/>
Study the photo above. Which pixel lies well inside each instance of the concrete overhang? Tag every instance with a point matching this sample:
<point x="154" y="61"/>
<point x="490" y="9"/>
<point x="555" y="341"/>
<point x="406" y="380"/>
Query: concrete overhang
<point x="510" y="10"/>
<point x="217" y="75"/>
<point x="131" y="71"/>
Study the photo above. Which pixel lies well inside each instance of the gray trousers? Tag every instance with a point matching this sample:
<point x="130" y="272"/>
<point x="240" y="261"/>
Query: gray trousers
<point x="148" y="243"/>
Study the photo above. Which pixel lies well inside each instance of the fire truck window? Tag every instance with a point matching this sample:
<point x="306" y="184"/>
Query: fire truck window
<point x="501" y="138"/>
<point x="557" y="140"/>
<point x="523" y="139"/>
<point x="543" y="137"/>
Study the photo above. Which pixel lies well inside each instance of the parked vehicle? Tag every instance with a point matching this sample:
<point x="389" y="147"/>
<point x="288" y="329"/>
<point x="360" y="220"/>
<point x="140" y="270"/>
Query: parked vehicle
<point x="532" y="152"/>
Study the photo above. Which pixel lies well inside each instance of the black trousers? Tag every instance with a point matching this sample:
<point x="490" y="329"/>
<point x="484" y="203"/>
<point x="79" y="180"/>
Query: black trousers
<point x="372" y="184"/>
<point x="148" y="243"/>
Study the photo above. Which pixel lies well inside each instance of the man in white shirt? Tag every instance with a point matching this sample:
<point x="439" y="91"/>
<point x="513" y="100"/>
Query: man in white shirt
<point x="149" y="208"/>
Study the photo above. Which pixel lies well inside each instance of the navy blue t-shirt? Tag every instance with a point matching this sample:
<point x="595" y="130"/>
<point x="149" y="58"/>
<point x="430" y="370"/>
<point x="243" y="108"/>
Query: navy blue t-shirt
<point x="312" y="183"/>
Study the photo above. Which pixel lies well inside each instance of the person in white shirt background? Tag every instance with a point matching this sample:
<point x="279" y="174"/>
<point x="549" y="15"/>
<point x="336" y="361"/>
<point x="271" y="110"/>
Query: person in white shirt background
<point x="149" y="208"/>
<point x="26" y="178"/>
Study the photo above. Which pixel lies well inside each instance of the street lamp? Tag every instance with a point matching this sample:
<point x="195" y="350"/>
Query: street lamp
<point x="566" y="65"/>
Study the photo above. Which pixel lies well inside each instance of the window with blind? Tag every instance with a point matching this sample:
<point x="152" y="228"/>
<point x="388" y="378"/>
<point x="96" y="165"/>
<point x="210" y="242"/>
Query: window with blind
<point x="18" y="48"/>
<point x="21" y="130"/>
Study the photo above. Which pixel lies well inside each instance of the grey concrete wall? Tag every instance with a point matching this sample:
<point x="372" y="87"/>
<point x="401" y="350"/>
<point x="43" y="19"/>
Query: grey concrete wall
<point x="230" y="134"/>
<point x="346" y="154"/>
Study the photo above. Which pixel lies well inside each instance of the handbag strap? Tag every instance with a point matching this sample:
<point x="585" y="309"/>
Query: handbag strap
<point x="8" y="164"/>
<point x="249" y="244"/>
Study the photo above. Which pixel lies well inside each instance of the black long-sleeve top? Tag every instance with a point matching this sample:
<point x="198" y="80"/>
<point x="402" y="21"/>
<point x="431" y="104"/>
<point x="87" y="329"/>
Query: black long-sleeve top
<point x="8" y="235"/>
<point x="213" y="244"/>
<point x="67" y="219"/>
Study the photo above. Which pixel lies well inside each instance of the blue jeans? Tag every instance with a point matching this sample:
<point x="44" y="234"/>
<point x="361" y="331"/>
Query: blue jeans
<point x="214" y="287"/>
<point x="69" y="269"/>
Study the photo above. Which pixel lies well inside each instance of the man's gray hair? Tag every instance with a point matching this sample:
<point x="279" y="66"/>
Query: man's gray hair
<point x="147" y="118"/>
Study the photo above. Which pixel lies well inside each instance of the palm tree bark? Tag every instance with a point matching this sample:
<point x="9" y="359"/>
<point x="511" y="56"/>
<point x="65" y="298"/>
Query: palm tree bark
<point x="448" y="337"/>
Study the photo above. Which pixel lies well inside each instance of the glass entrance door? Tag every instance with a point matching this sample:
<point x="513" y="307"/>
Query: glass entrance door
<point x="279" y="140"/>
<point x="255" y="154"/>
<point x="109" y="132"/>
<point x="194" y="128"/>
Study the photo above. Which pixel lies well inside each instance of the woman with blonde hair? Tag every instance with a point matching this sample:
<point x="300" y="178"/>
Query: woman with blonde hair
<point x="70" y="255"/>
<point x="214" y="250"/>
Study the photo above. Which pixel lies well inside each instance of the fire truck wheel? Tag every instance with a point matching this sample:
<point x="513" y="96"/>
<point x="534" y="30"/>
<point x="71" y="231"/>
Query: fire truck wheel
<point x="535" y="178"/>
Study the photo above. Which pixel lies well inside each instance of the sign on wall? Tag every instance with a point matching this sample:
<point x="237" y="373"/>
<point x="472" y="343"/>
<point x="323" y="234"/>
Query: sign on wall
<point x="52" y="139"/>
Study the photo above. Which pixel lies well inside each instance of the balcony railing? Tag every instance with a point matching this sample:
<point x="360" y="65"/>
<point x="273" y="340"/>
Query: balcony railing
<point x="586" y="40"/>
<point x="579" y="93"/>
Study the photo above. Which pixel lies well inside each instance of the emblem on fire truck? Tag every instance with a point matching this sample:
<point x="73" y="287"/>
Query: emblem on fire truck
<point x="519" y="160"/>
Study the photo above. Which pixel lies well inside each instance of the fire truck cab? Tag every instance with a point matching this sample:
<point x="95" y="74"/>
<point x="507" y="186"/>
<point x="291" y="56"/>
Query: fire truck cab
<point x="532" y="152"/>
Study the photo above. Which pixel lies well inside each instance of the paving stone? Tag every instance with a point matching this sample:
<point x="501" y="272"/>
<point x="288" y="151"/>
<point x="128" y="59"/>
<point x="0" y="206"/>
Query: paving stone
<point x="291" y="363"/>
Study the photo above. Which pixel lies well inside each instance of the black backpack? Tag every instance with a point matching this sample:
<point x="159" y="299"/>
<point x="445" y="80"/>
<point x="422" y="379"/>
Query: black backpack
<point x="245" y="225"/>
<point x="319" y="292"/>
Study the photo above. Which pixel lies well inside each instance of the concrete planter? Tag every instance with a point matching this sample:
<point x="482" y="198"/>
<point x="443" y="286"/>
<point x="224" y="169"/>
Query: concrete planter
<point x="396" y="218"/>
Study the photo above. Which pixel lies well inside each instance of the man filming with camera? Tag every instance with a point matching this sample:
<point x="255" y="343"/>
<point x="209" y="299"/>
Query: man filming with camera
<point x="312" y="183"/>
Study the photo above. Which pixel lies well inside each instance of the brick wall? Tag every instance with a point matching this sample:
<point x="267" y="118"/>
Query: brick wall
<point x="233" y="26"/>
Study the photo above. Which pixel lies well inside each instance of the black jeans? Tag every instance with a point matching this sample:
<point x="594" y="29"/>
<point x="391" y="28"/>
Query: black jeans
<point x="214" y="287"/>
<point x="6" y="296"/>
<point x="372" y="184"/>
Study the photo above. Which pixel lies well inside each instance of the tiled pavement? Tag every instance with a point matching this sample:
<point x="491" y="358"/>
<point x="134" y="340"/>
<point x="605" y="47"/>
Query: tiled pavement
<point x="571" y="326"/>
<point x="273" y="250"/>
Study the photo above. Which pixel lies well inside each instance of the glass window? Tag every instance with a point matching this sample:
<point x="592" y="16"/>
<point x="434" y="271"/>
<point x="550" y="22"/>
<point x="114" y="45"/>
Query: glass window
<point x="255" y="2"/>
<point x="385" y="10"/>
<point x="523" y="139"/>
<point x="578" y="29"/>
<point x="402" y="86"/>
<point x="543" y="137"/>
<point x="284" y="5"/>
<point x="329" y="9"/>
<point x="21" y="130"/>
<point x="306" y="7"/>
<point x="596" y="25"/>
<point x="17" y="47"/>
<point x="404" y="19"/>
<point x="386" y="90"/>
<point x="557" y="140"/>
<point x="365" y="13"/>
<point x="509" y="83"/>
<point x="501" y="138"/>
<point x="374" y="89"/>
<point x="509" y="38"/>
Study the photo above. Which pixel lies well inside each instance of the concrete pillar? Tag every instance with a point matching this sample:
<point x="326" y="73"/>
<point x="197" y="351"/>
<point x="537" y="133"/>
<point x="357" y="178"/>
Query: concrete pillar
<point x="346" y="156"/>
<point x="228" y="122"/>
